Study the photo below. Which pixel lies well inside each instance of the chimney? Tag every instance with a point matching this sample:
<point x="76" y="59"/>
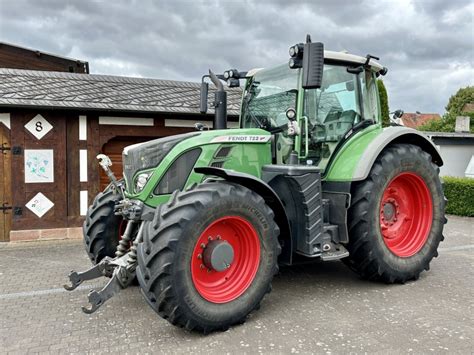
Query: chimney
<point x="462" y="124"/>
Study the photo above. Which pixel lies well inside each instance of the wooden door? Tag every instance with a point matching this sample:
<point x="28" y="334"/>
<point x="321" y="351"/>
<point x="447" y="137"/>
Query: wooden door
<point x="5" y="186"/>
<point x="29" y="191"/>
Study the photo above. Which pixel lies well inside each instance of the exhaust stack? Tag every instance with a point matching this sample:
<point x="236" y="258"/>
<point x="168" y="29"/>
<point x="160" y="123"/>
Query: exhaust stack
<point x="220" y="103"/>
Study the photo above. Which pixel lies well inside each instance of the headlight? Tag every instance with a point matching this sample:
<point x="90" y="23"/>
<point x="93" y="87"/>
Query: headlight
<point x="141" y="181"/>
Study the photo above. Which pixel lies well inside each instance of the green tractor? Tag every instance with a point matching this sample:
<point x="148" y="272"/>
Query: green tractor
<point x="203" y="220"/>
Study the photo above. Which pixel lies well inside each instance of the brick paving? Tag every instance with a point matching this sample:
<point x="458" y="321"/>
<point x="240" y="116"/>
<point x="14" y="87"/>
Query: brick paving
<point x="318" y="308"/>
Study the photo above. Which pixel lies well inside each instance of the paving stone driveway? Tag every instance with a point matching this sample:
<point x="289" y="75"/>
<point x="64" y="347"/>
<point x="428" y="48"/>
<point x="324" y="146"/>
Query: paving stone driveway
<point x="321" y="308"/>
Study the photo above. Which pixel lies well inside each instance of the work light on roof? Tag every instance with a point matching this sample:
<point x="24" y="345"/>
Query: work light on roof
<point x="296" y="51"/>
<point x="295" y="63"/>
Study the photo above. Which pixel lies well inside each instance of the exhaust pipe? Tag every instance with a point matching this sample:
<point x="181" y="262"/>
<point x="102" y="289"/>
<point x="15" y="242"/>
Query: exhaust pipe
<point x="220" y="103"/>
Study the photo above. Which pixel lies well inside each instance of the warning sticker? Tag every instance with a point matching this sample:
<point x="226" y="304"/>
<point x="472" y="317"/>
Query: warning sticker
<point x="241" y="139"/>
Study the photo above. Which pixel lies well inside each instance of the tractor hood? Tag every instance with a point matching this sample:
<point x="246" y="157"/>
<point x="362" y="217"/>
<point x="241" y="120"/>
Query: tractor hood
<point x="149" y="161"/>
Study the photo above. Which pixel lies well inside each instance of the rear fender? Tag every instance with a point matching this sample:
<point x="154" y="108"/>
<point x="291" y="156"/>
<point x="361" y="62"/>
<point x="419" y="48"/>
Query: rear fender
<point x="270" y="197"/>
<point x="355" y="160"/>
<point x="390" y="136"/>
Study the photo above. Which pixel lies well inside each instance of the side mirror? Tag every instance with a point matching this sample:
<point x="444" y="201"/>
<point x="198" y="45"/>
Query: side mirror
<point x="204" y="93"/>
<point x="398" y="113"/>
<point x="313" y="65"/>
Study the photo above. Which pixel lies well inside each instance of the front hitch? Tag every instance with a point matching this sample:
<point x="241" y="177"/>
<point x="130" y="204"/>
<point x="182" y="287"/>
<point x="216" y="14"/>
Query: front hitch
<point x="122" y="268"/>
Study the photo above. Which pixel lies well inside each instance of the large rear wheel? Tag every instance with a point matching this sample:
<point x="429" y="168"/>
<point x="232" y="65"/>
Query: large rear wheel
<point x="396" y="217"/>
<point x="208" y="257"/>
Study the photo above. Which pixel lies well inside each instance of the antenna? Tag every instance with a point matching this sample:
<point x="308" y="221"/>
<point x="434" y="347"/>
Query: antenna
<point x="308" y="38"/>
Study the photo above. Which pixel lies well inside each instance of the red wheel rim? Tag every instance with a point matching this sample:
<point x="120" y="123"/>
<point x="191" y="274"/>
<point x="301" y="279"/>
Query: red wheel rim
<point x="225" y="286"/>
<point x="406" y="214"/>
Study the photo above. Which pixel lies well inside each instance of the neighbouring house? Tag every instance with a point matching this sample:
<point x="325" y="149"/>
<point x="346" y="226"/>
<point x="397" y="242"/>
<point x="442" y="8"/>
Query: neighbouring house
<point x="53" y="125"/>
<point x="468" y="108"/>
<point x="456" y="149"/>
<point x="415" y="120"/>
<point x="17" y="57"/>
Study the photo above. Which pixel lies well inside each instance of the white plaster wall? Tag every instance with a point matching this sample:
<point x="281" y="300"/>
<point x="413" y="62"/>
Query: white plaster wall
<point x="455" y="158"/>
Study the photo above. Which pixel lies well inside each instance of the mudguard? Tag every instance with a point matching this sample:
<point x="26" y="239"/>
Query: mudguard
<point x="271" y="199"/>
<point x="354" y="162"/>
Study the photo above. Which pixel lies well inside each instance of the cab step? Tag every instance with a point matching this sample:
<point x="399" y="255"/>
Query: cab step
<point x="335" y="253"/>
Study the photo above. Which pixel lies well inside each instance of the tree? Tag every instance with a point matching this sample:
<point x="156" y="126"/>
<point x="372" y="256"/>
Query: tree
<point x="384" y="103"/>
<point x="453" y="109"/>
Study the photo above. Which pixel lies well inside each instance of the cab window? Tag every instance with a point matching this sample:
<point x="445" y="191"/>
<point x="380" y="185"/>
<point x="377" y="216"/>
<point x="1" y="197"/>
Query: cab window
<point x="334" y="108"/>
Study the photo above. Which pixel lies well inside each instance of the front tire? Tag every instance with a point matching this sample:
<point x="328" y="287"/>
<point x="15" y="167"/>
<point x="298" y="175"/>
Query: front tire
<point x="396" y="216"/>
<point x="102" y="228"/>
<point x="179" y="264"/>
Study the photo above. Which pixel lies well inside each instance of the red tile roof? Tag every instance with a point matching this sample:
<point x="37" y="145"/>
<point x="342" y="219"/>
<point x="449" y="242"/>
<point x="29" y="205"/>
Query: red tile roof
<point x="415" y="120"/>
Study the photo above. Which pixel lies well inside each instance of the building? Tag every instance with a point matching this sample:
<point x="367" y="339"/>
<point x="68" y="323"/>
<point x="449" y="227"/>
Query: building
<point x="415" y="120"/>
<point x="53" y="125"/>
<point x="456" y="149"/>
<point x="16" y="57"/>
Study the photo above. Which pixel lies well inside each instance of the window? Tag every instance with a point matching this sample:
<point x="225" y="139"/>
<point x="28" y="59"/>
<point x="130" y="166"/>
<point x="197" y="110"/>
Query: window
<point x="370" y="96"/>
<point x="334" y="108"/>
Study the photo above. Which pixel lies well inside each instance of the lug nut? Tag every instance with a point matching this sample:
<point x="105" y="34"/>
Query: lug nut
<point x="209" y="238"/>
<point x="203" y="245"/>
<point x="202" y="266"/>
<point x="199" y="256"/>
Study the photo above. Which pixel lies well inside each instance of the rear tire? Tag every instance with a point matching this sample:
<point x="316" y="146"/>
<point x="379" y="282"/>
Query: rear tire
<point x="174" y="278"/>
<point x="396" y="216"/>
<point x="102" y="228"/>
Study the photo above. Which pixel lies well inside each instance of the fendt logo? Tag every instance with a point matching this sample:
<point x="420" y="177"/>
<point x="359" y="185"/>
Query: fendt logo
<point x="242" y="139"/>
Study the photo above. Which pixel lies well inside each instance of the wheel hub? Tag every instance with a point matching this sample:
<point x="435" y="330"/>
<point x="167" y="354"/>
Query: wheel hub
<point x="218" y="255"/>
<point x="390" y="211"/>
<point x="225" y="259"/>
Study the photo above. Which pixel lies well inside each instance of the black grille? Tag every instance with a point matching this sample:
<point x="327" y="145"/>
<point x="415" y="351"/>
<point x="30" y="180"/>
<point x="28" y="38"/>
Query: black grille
<point x="223" y="152"/>
<point x="177" y="174"/>
<point x="218" y="164"/>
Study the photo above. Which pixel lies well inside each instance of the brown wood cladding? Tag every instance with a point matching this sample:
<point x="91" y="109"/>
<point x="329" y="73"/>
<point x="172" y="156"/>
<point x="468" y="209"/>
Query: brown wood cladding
<point x="23" y="58"/>
<point x="5" y="187"/>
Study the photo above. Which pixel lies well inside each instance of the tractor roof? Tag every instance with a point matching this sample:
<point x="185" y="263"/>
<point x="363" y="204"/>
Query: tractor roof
<point x="339" y="57"/>
<point x="351" y="58"/>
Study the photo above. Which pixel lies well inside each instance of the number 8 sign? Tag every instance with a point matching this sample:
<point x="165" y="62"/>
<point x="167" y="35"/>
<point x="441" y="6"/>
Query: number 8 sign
<point x="38" y="126"/>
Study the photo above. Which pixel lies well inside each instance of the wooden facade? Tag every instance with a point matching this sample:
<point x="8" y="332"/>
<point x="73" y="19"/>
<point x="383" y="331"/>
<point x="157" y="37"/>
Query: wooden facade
<point x="16" y="57"/>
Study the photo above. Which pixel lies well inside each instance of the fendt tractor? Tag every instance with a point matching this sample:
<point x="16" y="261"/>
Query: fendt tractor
<point x="203" y="220"/>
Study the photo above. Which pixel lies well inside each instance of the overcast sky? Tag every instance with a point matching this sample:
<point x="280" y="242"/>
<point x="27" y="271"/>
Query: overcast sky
<point x="428" y="45"/>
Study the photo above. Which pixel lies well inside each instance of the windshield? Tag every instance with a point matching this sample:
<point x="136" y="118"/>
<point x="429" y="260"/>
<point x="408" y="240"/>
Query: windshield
<point x="267" y="97"/>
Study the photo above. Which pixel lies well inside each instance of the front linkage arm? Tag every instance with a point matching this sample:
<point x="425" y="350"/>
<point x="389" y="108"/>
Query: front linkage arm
<point x="122" y="267"/>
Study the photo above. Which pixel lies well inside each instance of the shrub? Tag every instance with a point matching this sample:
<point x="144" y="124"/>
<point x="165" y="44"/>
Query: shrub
<point x="460" y="195"/>
<point x="384" y="103"/>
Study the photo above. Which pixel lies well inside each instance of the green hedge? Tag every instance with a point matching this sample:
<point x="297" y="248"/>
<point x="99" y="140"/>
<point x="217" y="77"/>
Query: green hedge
<point x="460" y="195"/>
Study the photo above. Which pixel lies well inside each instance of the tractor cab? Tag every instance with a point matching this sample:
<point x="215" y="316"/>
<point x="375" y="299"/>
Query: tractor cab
<point x="346" y="98"/>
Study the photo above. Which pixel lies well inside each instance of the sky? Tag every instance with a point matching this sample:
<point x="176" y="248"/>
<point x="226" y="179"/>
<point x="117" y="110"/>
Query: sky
<point x="428" y="45"/>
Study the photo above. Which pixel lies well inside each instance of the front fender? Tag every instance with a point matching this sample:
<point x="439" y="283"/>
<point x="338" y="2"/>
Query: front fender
<point x="355" y="161"/>
<point x="268" y="194"/>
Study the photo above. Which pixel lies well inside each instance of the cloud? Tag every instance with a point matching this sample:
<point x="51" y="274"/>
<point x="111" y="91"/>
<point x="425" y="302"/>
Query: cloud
<point x="427" y="45"/>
